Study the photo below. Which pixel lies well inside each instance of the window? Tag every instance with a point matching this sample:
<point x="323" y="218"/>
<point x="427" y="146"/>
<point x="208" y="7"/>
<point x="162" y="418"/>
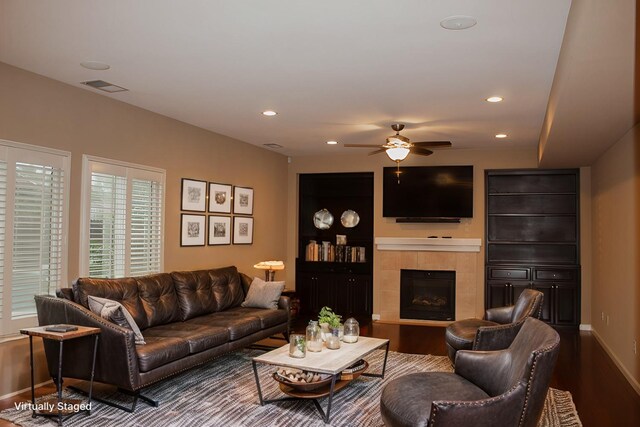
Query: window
<point x="123" y="210"/>
<point x="34" y="183"/>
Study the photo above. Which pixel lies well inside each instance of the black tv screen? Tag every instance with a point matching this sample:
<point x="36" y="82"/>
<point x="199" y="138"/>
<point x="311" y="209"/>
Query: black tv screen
<point x="428" y="192"/>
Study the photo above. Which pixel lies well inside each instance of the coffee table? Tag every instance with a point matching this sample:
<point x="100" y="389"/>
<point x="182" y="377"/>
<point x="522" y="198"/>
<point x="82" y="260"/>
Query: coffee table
<point x="331" y="362"/>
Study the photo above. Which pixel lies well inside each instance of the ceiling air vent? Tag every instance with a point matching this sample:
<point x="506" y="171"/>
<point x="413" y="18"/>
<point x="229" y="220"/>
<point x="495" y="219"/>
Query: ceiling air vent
<point x="104" y="86"/>
<point x="272" y="145"/>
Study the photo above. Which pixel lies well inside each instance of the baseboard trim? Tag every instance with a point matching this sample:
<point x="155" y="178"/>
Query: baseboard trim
<point x="15" y="393"/>
<point x="634" y="383"/>
<point x="585" y="327"/>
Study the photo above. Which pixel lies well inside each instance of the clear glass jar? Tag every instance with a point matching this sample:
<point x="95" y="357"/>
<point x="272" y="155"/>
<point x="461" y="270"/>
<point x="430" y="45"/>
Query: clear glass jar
<point x="333" y="341"/>
<point x="314" y="337"/>
<point x="351" y="330"/>
<point x="297" y="346"/>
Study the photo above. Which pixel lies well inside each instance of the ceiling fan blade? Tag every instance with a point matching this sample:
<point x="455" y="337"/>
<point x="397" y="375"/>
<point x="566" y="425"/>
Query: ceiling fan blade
<point x="382" y="150"/>
<point x="420" y="151"/>
<point x="433" y="143"/>
<point x="362" y="145"/>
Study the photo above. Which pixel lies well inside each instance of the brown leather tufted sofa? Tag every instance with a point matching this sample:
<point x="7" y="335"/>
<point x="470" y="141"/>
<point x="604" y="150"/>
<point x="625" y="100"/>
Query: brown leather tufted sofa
<point x="186" y="317"/>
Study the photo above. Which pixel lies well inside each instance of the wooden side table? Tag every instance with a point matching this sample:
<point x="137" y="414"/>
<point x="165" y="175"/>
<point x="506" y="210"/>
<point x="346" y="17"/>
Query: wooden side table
<point x="60" y="337"/>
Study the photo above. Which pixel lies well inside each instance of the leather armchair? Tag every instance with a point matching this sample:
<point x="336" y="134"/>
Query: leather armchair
<point x="488" y="388"/>
<point x="497" y="329"/>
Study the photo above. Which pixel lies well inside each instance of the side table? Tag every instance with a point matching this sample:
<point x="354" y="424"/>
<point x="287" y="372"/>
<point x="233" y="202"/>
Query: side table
<point x="60" y="337"/>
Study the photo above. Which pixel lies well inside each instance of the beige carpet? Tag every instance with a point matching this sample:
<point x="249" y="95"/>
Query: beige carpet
<point x="223" y="393"/>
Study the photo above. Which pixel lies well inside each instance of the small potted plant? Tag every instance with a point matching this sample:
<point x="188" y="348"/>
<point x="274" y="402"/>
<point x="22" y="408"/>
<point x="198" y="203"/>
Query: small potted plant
<point x="329" y="320"/>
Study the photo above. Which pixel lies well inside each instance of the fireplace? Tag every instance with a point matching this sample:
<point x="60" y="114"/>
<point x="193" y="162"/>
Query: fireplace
<point x="427" y="294"/>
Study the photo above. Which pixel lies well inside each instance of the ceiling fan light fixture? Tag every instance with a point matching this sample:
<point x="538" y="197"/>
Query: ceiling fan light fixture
<point x="397" y="154"/>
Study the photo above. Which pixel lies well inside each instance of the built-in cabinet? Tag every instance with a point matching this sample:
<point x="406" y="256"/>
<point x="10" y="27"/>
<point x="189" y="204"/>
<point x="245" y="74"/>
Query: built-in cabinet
<point x="532" y="226"/>
<point x="346" y="287"/>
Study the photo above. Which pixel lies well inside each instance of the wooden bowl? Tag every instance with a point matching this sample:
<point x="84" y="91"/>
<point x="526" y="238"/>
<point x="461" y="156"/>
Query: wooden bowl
<point x="302" y="386"/>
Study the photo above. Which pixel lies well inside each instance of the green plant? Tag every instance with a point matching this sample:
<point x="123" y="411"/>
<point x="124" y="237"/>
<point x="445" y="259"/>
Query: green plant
<point x="328" y="316"/>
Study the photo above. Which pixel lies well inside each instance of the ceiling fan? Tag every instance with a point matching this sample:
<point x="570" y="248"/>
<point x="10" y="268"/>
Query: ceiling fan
<point x="398" y="147"/>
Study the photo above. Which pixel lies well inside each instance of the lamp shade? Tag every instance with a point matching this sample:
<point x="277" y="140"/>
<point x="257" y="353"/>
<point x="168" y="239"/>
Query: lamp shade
<point x="269" y="265"/>
<point x="397" y="154"/>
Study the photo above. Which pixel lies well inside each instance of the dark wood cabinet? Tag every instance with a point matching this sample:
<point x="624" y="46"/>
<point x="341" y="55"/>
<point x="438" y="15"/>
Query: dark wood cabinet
<point x="346" y="287"/>
<point x="532" y="235"/>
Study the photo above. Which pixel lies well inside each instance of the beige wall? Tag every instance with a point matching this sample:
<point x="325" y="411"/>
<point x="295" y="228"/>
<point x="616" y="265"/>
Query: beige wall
<point x="616" y="251"/>
<point x="40" y="111"/>
<point x="354" y="160"/>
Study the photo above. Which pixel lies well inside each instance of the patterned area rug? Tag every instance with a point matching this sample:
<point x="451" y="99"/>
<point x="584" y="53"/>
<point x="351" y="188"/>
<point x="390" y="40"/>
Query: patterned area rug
<point x="223" y="393"/>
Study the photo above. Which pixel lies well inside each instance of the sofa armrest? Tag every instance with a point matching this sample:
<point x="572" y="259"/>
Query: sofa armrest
<point x="499" y="314"/>
<point x="116" y="358"/>
<point x="284" y="303"/>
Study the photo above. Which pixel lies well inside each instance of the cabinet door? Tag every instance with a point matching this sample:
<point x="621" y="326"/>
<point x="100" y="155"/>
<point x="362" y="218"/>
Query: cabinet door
<point x="498" y="293"/>
<point x="307" y="290"/>
<point x="360" y="291"/>
<point x="566" y="304"/>
<point x="548" y="310"/>
<point x="516" y="289"/>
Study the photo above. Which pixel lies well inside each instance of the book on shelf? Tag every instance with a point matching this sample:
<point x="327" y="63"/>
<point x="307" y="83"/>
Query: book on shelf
<point x="328" y="252"/>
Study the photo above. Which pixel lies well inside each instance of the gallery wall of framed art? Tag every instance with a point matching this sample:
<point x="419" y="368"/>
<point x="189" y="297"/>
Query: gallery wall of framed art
<point x="232" y="209"/>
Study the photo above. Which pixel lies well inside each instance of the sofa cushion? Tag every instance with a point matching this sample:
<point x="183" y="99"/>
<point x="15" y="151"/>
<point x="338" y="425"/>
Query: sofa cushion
<point x="240" y="324"/>
<point x="268" y="318"/>
<point x="124" y="290"/>
<point x="195" y="296"/>
<point x="227" y="288"/>
<point x="263" y="294"/>
<point x="159" y="351"/>
<point x="115" y="312"/>
<point x="159" y="299"/>
<point x="199" y="337"/>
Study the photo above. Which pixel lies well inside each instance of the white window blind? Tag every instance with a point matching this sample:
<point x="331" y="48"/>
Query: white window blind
<point x="123" y="214"/>
<point x="33" y="212"/>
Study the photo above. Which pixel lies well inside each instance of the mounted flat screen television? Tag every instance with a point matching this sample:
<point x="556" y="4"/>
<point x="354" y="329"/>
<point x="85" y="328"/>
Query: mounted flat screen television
<point x="427" y="193"/>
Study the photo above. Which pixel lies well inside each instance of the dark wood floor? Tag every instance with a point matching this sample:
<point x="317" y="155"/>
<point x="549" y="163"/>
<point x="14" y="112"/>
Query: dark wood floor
<point x="602" y="395"/>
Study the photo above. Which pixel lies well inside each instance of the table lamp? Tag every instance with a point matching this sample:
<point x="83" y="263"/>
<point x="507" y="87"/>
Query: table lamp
<point x="270" y="268"/>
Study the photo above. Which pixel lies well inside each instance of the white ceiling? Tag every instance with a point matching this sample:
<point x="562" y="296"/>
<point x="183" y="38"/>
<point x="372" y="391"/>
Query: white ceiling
<point x="332" y="69"/>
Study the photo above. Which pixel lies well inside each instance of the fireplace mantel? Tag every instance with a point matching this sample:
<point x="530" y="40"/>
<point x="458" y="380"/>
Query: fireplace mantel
<point x="438" y="244"/>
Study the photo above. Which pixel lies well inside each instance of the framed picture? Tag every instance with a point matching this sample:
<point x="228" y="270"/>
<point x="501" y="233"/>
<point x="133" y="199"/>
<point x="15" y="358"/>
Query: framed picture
<point x="219" y="198"/>
<point x="192" y="230"/>
<point x="219" y="230"/>
<point x="243" y="200"/>
<point x="242" y="230"/>
<point x="193" y="195"/>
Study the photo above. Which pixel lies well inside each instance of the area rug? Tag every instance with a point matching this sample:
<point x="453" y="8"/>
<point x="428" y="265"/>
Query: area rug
<point x="223" y="393"/>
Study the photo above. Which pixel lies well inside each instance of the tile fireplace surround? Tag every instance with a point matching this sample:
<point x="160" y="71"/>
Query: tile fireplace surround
<point x="396" y="253"/>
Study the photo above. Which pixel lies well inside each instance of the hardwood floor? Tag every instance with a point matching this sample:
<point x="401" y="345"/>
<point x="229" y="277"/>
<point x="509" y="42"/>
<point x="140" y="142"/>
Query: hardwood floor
<point x="602" y="395"/>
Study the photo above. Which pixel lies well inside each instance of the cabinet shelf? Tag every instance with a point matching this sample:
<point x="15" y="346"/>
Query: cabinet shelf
<point x="528" y="193"/>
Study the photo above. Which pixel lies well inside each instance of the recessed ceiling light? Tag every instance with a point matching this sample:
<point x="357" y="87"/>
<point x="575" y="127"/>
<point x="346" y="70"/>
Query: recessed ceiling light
<point x="273" y="145"/>
<point x="332" y="142"/>
<point x="501" y="135"/>
<point x="95" y="65"/>
<point x="458" y="22"/>
<point x="269" y="113"/>
<point x="494" y="99"/>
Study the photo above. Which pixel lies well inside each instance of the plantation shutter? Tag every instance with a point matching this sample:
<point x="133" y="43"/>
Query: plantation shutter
<point x="125" y="219"/>
<point x="33" y="203"/>
<point x="146" y="227"/>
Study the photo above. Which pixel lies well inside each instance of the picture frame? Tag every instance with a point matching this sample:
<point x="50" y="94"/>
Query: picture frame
<point x="219" y="198"/>
<point x="193" y="195"/>
<point x="219" y="230"/>
<point x="192" y="230"/>
<point x="243" y="200"/>
<point x="242" y="230"/>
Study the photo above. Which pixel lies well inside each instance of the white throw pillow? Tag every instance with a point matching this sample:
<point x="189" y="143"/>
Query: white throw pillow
<point x="115" y="312"/>
<point x="263" y="294"/>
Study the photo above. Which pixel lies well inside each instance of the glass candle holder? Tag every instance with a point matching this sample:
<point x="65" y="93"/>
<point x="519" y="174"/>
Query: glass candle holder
<point x="314" y="337"/>
<point x="297" y="346"/>
<point x="351" y="330"/>
<point x="333" y="341"/>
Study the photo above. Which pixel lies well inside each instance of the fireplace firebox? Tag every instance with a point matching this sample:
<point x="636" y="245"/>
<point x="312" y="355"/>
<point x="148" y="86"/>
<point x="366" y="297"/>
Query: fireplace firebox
<point x="427" y="294"/>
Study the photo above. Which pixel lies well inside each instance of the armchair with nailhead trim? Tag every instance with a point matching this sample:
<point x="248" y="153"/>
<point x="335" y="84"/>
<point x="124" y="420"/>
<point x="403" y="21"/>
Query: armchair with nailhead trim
<point x="489" y="388"/>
